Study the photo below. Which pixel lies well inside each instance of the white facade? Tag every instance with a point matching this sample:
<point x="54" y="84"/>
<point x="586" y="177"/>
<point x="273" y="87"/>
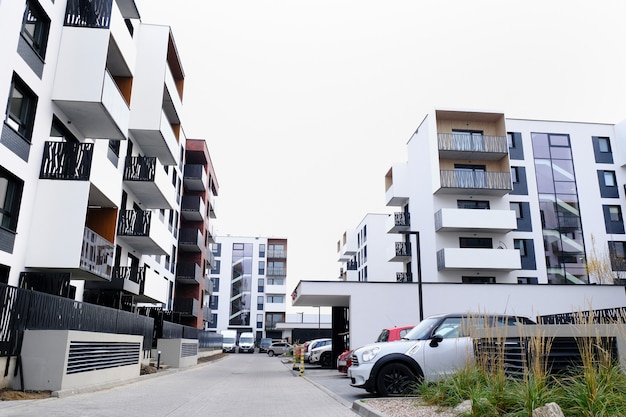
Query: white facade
<point x="90" y="152"/>
<point x="250" y="290"/>
<point x="363" y="258"/>
<point x="523" y="207"/>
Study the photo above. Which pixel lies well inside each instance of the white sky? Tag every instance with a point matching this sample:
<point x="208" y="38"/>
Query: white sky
<point x="305" y="104"/>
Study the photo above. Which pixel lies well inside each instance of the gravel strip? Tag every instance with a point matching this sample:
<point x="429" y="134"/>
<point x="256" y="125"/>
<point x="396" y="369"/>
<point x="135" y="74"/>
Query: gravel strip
<point x="407" y="407"/>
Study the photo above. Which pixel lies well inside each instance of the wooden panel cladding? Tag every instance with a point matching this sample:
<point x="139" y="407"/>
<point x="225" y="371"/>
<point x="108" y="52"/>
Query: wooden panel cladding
<point x="125" y="85"/>
<point x="102" y="221"/>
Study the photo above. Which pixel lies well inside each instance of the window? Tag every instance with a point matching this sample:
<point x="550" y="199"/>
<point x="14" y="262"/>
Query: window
<point x="261" y="267"/>
<point x="10" y="199"/>
<point x="276" y="299"/>
<point x="516" y="206"/>
<point x="216" y="284"/>
<point x="604" y="145"/>
<point x="527" y="280"/>
<point x="214" y="302"/>
<point x="262" y="250"/>
<point x="213" y="323"/>
<point x="275" y="281"/>
<point x="476" y="242"/>
<point x="261" y="285"/>
<point x="216" y="268"/>
<point x="35" y="28"/>
<point x="516" y="150"/>
<point x="259" y="302"/>
<point x="514" y="175"/>
<point x="21" y="111"/>
<point x="609" y="179"/>
<point x="520" y="245"/>
<point x="602" y="149"/>
<point x="615" y="213"/>
<point x="478" y="280"/>
<point x="259" y="321"/>
<point x="617" y="253"/>
<point x="473" y="204"/>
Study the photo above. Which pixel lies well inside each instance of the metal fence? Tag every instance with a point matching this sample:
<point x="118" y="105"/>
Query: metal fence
<point x="25" y="309"/>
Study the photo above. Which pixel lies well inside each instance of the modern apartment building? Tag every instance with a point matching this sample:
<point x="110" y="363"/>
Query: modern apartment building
<point x="364" y="259"/>
<point x="509" y="201"/>
<point x="249" y="285"/>
<point x="92" y="153"/>
<point x="531" y="209"/>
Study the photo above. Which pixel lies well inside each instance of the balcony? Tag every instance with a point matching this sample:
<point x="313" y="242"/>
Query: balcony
<point x="397" y="186"/>
<point x="193" y="208"/>
<point x="276" y="272"/>
<point x="401" y="252"/>
<point x="212" y="204"/>
<point x="469" y="220"/>
<point x="347" y="246"/>
<point x="478" y="259"/>
<point x="92" y="102"/>
<point x="208" y="285"/>
<point x="190" y="240"/>
<point x="187" y="307"/>
<point x="195" y="178"/>
<point x="404" y="277"/>
<point x="124" y="278"/>
<point x="276" y="254"/>
<point x="475" y="182"/>
<point x="157" y="139"/>
<point x="96" y="256"/>
<point x="188" y="273"/>
<point x="399" y="222"/>
<point x="148" y="181"/>
<point x="153" y="289"/>
<point x="139" y="230"/>
<point x="66" y="161"/>
<point x="467" y="146"/>
<point x="210" y="259"/>
<point x="210" y="233"/>
<point x="206" y="314"/>
<point x="351" y="266"/>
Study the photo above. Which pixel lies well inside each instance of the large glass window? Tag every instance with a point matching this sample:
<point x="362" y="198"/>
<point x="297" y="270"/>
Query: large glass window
<point x="21" y="111"/>
<point x="10" y="199"/>
<point x="35" y="27"/>
<point x="241" y="284"/>
<point x="560" y="214"/>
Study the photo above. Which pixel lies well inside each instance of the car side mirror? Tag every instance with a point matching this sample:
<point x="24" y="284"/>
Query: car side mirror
<point x="434" y="342"/>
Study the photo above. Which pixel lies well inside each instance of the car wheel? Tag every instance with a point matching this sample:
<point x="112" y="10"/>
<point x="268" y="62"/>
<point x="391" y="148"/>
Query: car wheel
<point x="395" y="379"/>
<point x="270" y="353"/>
<point x="325" y="360"/>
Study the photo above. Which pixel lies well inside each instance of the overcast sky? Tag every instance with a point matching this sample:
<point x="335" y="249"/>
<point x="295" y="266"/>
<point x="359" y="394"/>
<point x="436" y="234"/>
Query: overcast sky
<point x="306" y="104"/>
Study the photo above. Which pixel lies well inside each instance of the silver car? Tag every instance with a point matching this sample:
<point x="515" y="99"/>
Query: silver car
<point x="279" y="348"/>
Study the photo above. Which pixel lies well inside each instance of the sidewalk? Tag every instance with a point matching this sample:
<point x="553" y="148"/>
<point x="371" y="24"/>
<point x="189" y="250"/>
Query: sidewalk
<point x="236" y="385"/>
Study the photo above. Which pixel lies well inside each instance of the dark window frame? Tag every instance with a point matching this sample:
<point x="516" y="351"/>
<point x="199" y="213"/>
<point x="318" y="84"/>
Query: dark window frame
<point x="23" y="122"/>
<point x="10" y="210"/>
<point x="35" y="16"/>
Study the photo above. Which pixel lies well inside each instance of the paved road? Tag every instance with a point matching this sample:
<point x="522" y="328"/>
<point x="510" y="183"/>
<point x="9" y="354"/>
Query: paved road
<point x="237" y="385"/>
<point x="337" y="383"/>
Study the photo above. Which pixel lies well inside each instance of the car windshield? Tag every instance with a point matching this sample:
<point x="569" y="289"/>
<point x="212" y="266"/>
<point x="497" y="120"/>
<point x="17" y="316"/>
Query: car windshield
<point x="423" y="330"/>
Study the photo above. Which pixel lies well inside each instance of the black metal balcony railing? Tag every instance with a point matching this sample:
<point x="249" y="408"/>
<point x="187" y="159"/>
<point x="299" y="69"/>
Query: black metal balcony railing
<point x="193" y="171"/>
<point x="88" y="13"/>
<point x="476" y="180"/>
<point x="402" y="218"/>
<point x="351" y="266"/>
<point x="403" y="249"/>
<point x="134" y="223"/>
<point x="188" y="271"/>
<point x="134" y="274"/>
<point x="97" y="254"/>
<point x="472" y="143"/>
<point x="404" y="277"/>
<point x="66" y="161"/>
<point x="140" y="168"/>
<point x="187" y="306"/>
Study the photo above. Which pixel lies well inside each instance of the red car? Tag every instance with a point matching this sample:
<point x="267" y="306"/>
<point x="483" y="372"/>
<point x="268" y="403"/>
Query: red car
<point x="386" y="335"/>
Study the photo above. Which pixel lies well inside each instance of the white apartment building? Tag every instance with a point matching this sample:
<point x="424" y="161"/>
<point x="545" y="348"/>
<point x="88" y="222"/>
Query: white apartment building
<point x="364" y="259"/>
<point x="249" y="285"/>
<point x="530" y="209"/>
<point x="91" y="152"/>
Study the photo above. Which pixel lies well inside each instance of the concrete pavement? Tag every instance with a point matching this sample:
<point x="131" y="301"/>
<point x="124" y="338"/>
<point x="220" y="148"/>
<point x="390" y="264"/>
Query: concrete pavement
<point x="237" y="385"/>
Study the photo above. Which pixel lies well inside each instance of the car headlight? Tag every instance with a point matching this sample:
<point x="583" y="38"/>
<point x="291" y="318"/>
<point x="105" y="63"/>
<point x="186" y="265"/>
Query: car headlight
<point x="370" y="353"/>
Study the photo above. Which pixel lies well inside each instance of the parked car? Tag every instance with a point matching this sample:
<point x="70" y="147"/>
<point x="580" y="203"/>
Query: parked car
<point x="386" y="335"/>
<point x="312" y="344"/>
<point x="322" y="355"/>
<point x="264" y="344"/>
<point x="278" y="348"/>
<point x="438" y="346"/>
